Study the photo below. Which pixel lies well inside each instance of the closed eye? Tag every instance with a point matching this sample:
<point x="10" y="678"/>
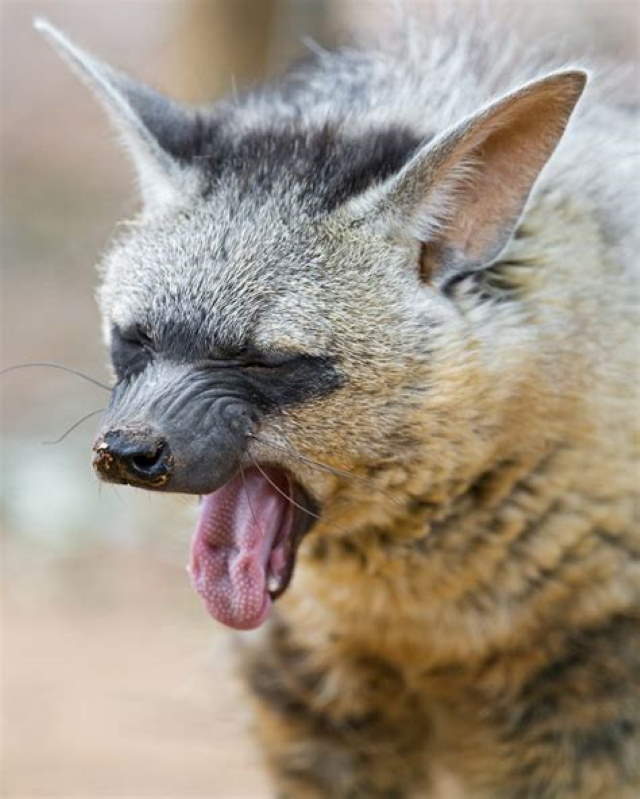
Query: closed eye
<point x="254" y="359"/>
<point x="131" y="351"/>
<point x="135" y="335"/>
<point x="265" y="361"/>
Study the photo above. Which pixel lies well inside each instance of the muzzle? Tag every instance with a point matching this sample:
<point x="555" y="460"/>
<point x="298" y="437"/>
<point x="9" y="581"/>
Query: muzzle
<point x="175" y="428"/>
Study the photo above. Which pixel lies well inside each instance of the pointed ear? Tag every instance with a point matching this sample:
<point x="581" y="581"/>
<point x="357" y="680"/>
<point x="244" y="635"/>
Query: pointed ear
<point x="463" y="193"/>
<point x="156" y="131"/>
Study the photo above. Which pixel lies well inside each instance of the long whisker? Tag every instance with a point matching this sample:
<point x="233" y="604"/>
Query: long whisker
<point x="56" y="366"/>
<point x="73" y="426"/>
<point x="322" y="466"/>
<point x="282" y="493"/>
<point x="330" y="469"/>
<point x="246" y="491"/>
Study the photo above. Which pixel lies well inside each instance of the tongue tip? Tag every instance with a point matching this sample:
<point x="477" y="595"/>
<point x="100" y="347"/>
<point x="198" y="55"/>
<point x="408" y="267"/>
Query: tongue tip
<point x="232" y="548"/>
<point x="236" y="618"/>
<point x="237" y="621"/>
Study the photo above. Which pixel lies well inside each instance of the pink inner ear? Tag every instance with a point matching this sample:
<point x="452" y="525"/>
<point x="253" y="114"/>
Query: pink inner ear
<point x="463" y="193"/>
<point x="502" y="151"/>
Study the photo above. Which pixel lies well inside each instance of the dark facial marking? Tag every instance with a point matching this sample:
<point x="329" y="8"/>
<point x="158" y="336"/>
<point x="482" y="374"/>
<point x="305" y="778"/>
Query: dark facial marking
<point x="301" y="379"/>
<point x="268" y="380"/>
<point x="131" y="351"/>
<point x="325" y="167"/>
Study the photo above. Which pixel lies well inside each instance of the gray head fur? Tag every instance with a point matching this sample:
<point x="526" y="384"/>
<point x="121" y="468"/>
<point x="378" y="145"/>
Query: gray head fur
<point x="356" y="211"/>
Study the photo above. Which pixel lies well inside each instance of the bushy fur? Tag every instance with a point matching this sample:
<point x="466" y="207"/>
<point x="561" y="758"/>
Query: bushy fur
<point x="465" y="613"/>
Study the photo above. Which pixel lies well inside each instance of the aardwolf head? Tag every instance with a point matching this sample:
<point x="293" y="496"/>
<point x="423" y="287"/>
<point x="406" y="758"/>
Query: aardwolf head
<point x="290" y="294"/>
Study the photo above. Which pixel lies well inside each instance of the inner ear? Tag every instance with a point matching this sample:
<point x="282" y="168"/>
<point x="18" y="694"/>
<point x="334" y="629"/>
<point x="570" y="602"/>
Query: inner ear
<point x="462" y="194"/>
<point x="491" y="180"/>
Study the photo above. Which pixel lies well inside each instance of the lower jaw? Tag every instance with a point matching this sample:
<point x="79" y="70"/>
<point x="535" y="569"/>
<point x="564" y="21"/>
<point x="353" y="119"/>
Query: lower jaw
<point x="305" y="514"/>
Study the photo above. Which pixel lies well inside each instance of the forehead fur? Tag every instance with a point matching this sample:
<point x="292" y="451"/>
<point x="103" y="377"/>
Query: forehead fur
<point x="212" y="270"/>
<point x="318" y="168"/>
<point x="251" y="257"/>
<point x="237" y="270"/>
<point x="259" y="239"/>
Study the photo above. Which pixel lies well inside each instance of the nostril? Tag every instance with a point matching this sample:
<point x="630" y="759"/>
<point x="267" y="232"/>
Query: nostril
<point x="142" y="462"/>
<point x="133" y="457"/>
<point x="150" y="463"/>
<point x="146" y="461"/>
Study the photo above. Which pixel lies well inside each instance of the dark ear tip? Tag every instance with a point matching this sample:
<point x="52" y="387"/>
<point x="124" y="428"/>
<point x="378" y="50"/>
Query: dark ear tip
<point x="574" y="80"/>
<point x="579" y="77"/>
<point x="563" y="87"/>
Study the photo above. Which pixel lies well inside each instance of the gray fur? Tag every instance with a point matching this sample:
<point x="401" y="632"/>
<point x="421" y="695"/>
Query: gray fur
<point x="490" y="398"/>
<point x="264" y="208"/>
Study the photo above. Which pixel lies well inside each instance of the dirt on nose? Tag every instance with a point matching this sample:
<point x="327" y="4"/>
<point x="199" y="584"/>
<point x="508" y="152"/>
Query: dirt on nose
<point x="112" y="468"/>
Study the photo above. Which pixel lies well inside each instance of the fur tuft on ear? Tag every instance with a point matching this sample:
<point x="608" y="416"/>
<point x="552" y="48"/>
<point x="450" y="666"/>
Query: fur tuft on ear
<point x="463" y="193"/>
<point x="155" y="130"/>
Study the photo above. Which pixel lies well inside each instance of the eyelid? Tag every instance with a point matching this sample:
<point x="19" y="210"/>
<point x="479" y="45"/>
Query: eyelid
<point x="264" y="360"/>
<point x="135" y="334"/>
<point x="273" y="359"/>
<point x="224" y="363"/>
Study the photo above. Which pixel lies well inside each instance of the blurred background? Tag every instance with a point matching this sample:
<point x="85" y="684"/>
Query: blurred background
<point x="115" y="682"/>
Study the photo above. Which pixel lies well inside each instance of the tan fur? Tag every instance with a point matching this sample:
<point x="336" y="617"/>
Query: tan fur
<point x="464" y="616"/>
<point x="530" y="564"/>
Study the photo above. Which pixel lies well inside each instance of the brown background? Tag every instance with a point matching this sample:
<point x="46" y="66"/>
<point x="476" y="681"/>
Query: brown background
<point x="115" y="683"/>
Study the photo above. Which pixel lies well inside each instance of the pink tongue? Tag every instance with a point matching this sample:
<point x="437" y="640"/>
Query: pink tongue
<point x="231" y="549"/>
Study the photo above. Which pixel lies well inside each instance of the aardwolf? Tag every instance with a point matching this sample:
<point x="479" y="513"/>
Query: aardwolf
<point x="379" y="315"/>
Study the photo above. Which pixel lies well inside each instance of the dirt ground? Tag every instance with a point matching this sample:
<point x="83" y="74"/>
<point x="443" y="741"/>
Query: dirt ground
<point x="117" y="684"/>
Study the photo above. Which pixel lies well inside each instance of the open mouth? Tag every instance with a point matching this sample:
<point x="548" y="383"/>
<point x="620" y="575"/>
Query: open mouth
<point x="244" y="546"/>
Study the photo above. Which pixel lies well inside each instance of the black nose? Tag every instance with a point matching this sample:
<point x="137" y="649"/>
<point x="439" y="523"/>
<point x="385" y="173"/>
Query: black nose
<point x="135" y="457"/>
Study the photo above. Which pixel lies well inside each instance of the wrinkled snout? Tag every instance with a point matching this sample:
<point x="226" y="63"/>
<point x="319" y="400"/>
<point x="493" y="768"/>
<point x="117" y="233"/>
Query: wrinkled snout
<point x="136" y="457"/>
<point x="174" y="428"/>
